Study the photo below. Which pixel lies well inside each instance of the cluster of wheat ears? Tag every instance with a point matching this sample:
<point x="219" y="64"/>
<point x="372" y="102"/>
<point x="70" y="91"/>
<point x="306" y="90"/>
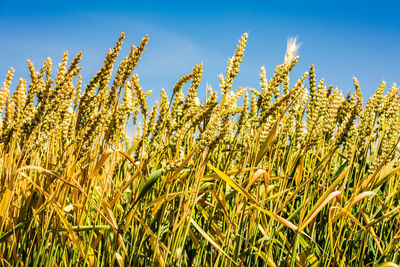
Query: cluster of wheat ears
<point x="286" y="174"/>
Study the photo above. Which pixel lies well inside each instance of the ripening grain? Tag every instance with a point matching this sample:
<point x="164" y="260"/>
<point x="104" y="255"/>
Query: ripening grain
<point x="290" y="173"/>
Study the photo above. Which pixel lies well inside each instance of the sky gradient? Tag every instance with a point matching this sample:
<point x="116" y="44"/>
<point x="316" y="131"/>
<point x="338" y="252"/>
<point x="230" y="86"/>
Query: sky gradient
<point x="342" y="39"/>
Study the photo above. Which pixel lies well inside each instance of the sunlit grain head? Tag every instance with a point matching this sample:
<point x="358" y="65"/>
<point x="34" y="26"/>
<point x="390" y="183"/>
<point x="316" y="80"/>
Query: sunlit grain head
<point x="291" y="49"/>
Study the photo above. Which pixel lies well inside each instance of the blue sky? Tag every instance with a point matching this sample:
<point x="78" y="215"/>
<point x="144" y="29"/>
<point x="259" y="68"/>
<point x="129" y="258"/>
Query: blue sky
<point x="341" y="38"/>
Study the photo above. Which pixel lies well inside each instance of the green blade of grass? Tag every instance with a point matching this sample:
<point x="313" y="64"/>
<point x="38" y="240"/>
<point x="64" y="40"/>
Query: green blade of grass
<point x="211" y="241"/>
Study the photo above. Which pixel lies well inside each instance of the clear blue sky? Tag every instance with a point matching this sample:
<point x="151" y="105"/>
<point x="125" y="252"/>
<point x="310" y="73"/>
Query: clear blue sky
<point x="342" y="38"/>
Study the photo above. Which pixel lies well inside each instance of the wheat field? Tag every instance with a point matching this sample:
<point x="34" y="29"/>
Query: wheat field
<point x="293" y="173"/>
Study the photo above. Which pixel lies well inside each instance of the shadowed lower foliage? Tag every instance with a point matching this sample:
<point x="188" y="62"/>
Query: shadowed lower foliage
<point x="289" y="174"/>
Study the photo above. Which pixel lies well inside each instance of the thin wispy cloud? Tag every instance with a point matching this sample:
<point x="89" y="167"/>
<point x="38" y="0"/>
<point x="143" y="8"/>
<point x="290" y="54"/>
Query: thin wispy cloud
<point x="181" y="36"/>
